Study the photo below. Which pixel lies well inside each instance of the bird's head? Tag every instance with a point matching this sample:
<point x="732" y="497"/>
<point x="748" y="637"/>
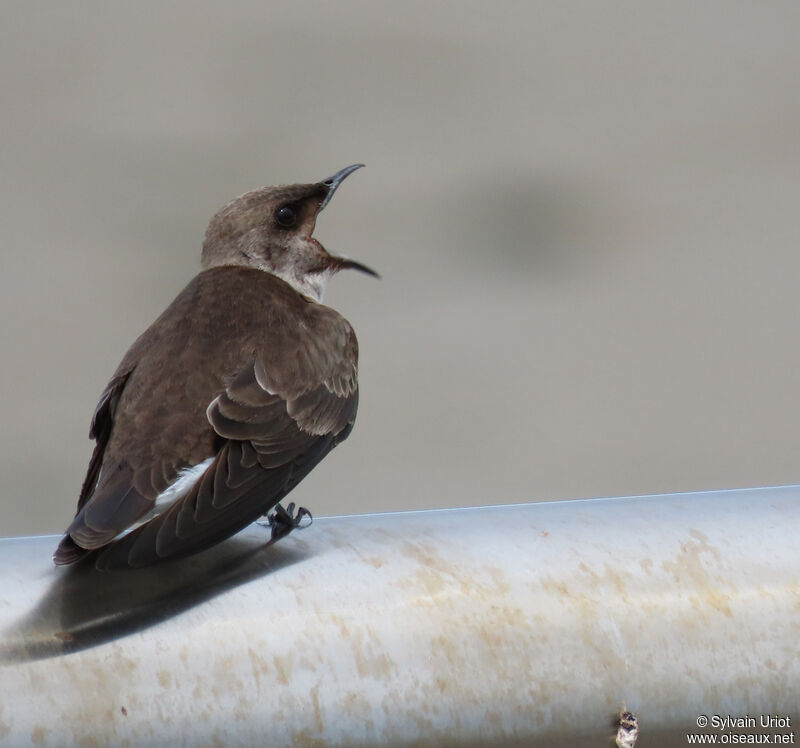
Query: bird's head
<point x="271" y="229"/>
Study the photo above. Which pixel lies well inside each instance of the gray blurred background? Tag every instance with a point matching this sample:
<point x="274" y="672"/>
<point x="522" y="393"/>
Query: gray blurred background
<point x="585" y="214"/>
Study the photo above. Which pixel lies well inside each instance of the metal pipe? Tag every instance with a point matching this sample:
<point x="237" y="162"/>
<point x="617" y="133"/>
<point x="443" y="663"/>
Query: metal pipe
<point x="531" y="624"/>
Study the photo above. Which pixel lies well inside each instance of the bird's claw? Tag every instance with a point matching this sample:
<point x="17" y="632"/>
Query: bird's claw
<point x="284" y="519"/>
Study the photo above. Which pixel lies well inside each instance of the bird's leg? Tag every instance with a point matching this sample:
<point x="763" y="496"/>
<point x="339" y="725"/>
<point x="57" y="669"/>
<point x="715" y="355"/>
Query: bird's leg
<point x="283" y="520"/>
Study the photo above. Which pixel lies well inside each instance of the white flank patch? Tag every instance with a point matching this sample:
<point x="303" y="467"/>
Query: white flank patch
<point x="186" y="479"/>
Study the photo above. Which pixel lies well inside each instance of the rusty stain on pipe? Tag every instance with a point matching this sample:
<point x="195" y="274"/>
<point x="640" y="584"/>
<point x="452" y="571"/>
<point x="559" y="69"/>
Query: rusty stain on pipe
<point x="516" y="625"/>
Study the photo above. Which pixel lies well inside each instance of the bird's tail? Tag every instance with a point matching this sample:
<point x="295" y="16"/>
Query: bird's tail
<point x="69" y="552"/>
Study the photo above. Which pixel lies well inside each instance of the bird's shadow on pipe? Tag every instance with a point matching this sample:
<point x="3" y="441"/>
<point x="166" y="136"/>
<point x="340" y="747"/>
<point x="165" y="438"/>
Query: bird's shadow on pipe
<point x="84" y="607"/>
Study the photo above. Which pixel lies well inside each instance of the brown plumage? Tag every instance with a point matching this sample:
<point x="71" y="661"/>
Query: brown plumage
<point x="246" y="367"/>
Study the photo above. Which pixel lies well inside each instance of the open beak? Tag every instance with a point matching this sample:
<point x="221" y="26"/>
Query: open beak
<point x="345" y="264"/>
<point x="332" y="183"/>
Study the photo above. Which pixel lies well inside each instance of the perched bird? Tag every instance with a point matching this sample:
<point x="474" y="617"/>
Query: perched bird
<point x="230" y="398"/>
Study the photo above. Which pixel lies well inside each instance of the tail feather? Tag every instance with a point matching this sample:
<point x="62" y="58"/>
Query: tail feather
<point x="69" y="552"/>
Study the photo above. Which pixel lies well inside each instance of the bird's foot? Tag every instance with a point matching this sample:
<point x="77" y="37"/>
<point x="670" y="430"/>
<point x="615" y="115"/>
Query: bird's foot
<point x="283" y="520"/>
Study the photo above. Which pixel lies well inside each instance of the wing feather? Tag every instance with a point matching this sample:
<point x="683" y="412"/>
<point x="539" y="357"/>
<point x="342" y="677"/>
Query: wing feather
<point x="270" y="419"/>
<point x="267" y="452"/>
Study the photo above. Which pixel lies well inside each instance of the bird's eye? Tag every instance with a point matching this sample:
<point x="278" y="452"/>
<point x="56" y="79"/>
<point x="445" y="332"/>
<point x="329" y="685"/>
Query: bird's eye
<point x="286" y="216"/>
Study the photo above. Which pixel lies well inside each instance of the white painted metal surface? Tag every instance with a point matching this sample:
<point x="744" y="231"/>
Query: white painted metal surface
<point x="517" y="625"/>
